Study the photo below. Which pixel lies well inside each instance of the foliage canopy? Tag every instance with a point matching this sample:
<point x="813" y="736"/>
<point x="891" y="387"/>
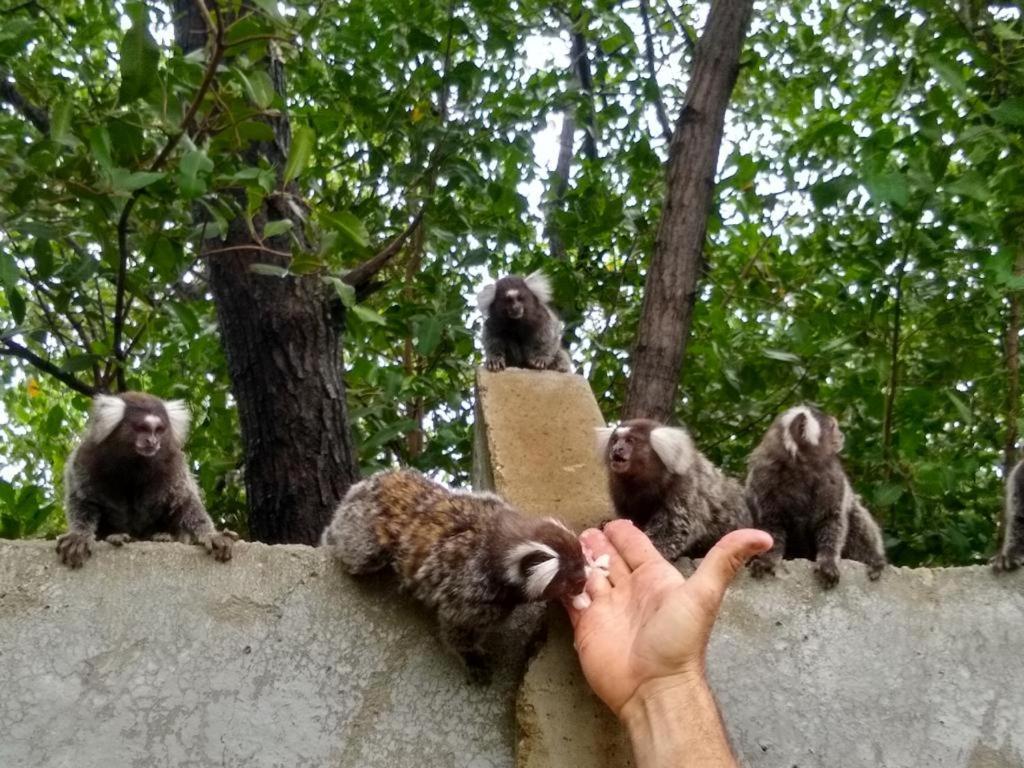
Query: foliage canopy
<point x="865" y="250"/>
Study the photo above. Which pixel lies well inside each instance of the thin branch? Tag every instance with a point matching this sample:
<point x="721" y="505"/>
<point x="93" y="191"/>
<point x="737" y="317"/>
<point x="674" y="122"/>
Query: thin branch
<point x="14" y="349"/>
<point x="246" y="247"/>
<point x="216" y="32"/>
<point x="581" y="65"/>
<point x="691" y="44"/>
<point x="894" y="363"/>
<point x="659" y="105"/>
<point x="360" y="275"/>
<point x="10" y="94"/>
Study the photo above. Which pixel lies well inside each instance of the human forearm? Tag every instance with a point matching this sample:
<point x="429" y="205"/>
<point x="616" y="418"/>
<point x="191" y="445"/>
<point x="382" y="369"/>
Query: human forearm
<point x="676" y="724"/>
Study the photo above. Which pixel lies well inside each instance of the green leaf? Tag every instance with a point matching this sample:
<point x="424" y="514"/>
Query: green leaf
<point x="259" y="87"/>
<point x="888" y="187"/>
<point x="123" y="181"/>
<point x="139" y="59"/>
<point x="961" y="407"/>
<point x="16" y="304"/>
<point x="193" y="169"/>
<point x="972" y="185"/>
<point x="948" y="71"/>
<point x="8" y="269"/>
<point x="345" y="292"/>
<point x="368" y="315"/>
<point x="303" y="141"/>
<point x="271" y="270"/>
<point x="428" y="335"/>
<point x="60" y="123"/>
<point x="99" y="145"/>
<point x="275" y="228"/>
<point x="1010" y="112"/>
<point x="778" y="354"/>
<point x="42" y="256"/>
<point x="348" y="226"/>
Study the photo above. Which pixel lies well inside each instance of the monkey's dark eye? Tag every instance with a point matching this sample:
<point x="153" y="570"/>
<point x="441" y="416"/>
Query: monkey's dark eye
<point x="160" y="429"/>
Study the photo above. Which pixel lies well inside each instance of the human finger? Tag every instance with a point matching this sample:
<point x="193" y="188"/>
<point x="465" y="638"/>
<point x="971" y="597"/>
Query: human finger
<point x="724" y="561"/>
<point x="631" y="543"/>
<point x="596" y="545"/>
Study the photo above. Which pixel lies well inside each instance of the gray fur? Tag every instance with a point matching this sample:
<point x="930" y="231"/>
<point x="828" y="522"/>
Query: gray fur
<point x="1011" y="554"/>
<point x="532" y="339"/>
<point x="658" y="479"/>
<point x="799" y="493"/>
<point x="470" y="557"/>
<point x="112" y="492"/>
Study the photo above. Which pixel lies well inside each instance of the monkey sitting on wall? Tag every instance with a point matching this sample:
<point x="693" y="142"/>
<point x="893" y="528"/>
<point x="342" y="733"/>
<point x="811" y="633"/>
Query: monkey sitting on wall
<point x="798" y="492"/>
<point x="520" y="328"/>
<point x="470" y="557"/>
<point x="127" y="479"/>
<point x="669" y="489"/>
<point x="1011" y="554"/>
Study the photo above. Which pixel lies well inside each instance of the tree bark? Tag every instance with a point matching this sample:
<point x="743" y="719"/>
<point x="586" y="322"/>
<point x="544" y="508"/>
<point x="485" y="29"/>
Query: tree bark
<point x="284" y="354"/>
<point x="671" y="287"/>
<point x="1013" y="372"/>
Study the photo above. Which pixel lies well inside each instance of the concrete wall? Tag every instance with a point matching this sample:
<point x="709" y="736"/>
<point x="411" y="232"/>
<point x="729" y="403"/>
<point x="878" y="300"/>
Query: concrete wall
<point x="154" y="655"/>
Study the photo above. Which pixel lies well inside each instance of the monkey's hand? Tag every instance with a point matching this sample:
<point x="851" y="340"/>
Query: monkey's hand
<point x="539" y="363"/>
<point x="875" y="570"/>
<point x="75" y="548"/>
<point x="495" y="363"/>
<point x="118" y="539"/>
<point x="762" y="566"/>
<point x="827" y="571"/>
<point x="1006" y="561"/>
<point x="219" y="544"/>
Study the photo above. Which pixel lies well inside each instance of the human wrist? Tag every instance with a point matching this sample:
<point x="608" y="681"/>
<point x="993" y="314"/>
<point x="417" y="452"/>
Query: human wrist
<point x="672" y="717"/>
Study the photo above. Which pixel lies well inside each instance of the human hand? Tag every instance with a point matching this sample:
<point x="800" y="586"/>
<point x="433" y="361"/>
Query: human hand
<point x="647" y="628"/>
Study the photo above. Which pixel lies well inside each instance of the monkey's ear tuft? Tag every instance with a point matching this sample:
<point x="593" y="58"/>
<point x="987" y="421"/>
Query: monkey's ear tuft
<point x="540" y="286"/>
<point x="107" y="413"/>
<point x="602" y="435"/>
<point x="485" y="298"/>
<point x="532" y="566"/>
<point x="674" y="447"/>
<point x="799" y="425"/>
<point x="180" y="418"/>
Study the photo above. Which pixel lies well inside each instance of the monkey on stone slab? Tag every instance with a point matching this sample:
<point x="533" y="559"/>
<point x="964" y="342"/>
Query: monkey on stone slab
<point x="470" y="557"/>
<point x="127" y="479"/>
<point x="799" y="493"/>
<point x="658" y="479"/>
<point x="520" y="327"/>
<point x="1011" y="553"/>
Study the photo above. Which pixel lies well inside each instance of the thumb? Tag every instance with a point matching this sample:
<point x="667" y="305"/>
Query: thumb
<point x="724" y="561"/>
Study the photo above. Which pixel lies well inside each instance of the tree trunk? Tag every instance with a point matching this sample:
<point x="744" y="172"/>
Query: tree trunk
<point x="284" y="354"/>
<point x="671" y="287"/>
<point x="1013" y="372"/>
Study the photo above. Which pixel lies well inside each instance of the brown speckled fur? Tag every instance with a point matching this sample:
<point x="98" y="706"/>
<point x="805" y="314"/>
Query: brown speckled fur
<point x="451" y="551"/>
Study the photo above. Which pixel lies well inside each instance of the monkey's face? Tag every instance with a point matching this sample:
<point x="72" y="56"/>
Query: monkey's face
<point x="572" y="574"/>
<point x="512" y="298"/>
<point x="148" y="431"/>
<point x="626" y="448"/>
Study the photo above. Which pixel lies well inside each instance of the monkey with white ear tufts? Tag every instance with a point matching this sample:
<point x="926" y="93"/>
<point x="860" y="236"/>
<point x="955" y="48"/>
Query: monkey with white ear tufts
<point x="127" y="479"/>
<point x="799" y="493"/>
<point x="470" y="557"/>
<point x="669" y="489"/>
<point x="520" y="328"/>
<point x="1011" y="553"/>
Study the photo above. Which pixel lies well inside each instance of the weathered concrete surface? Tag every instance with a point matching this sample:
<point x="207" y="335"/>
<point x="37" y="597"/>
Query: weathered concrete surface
<point x="924" y="668"/>
<point x="534" y="444"/>
<point x="155" y="655"/>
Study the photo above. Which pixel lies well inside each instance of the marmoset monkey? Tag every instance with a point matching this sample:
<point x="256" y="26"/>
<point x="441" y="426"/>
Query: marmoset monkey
<point x="520" y="328"/>
<point x="128" y="479"/>
<point x="470" y="557"/>
<point x="660" y="481"/>
<point x="1011" y="554"/>
<point x="798" y="492"/>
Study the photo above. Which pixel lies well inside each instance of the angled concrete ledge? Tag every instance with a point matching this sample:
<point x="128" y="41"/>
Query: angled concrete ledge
<point x="534" y="444"/>
<point x="155" y="655"/>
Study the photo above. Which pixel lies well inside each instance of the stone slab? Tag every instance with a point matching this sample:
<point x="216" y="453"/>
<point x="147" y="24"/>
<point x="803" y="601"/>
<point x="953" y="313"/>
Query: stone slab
<point x="923" y="668"/>
<point x="534" y="444"/>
